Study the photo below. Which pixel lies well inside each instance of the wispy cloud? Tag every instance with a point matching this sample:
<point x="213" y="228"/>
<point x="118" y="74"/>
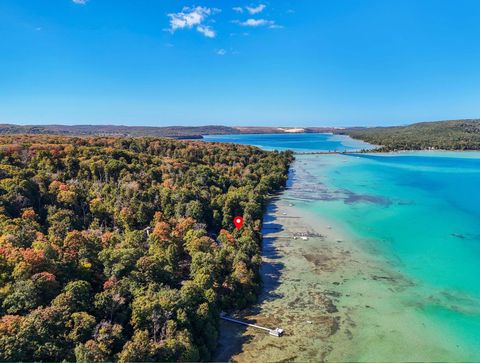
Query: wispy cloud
<point x="190" y="18"/>
<point x="80" y="2"/>
<point x="256" y="22"/>
<point x="251" y="9"/>
<point x="221" y="52"/>
<point x="252" y="22"/>
<point x="206" y="30"/>
<point x="256" y="9"/>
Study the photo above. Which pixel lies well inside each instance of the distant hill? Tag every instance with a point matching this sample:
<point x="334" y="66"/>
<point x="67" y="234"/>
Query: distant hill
<point x="283" y="130"/>
<point x="181" y="132"/>
<point x="445" y="135"/>
<point x="110" y="130"/>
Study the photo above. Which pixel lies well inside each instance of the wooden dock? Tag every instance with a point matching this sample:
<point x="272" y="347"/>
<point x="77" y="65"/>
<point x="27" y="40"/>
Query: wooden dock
<point x="277" y="332"/>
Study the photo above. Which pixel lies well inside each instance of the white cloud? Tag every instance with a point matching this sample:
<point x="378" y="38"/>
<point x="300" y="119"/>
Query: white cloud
<point x="206" y="30"/>
<point x="256" y="10"/>
<point x="257" y="22"/>
<point x="221" y="52"/>
<point x="80" y="2"/>
<point x="190" y="18"/>
<point x="238" y="9"/>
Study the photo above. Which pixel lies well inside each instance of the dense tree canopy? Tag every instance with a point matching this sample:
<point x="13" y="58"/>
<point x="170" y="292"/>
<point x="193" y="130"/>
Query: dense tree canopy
<point x="445" y="135"/>
<point x="124" y="248"/>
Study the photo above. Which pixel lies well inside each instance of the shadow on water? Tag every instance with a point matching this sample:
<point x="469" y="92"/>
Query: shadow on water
<point x="231" y="341"/>
<point x="291" y="178"/>
<point x="271" y="268"/>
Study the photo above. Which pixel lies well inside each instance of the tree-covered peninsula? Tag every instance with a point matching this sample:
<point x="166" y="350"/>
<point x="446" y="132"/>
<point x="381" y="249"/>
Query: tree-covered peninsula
<point x="123" y="249"/>
<point x="445" y="135"/>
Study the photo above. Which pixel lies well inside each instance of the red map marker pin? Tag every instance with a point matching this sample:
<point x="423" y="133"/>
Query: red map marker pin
<point x="238" y="221"/>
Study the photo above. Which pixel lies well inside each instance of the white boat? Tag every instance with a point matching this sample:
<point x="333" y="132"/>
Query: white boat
<point x="277" y="332"/>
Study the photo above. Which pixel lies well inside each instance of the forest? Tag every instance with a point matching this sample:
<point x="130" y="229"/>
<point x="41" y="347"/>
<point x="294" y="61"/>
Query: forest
<point x="444" y="135"/>
<point x="123" y="249"/>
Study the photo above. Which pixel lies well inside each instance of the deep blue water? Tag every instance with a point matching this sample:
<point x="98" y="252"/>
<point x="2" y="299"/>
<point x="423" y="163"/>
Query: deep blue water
<point x="295" y="142"/>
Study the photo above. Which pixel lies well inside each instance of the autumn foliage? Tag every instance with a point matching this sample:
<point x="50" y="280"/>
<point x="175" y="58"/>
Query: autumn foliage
<point x="123" y="249"/>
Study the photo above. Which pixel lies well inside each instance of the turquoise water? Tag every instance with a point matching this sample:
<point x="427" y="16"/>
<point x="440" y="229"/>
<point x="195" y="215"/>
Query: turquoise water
<point x="295" y="142"/>
<point x="421" y="213"/>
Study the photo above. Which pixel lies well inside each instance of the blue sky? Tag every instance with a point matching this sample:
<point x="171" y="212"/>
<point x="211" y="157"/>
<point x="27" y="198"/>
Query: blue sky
<point x="282" y="62"/>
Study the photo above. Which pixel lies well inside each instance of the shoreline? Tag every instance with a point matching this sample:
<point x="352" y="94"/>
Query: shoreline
<point x="301" y="290"/>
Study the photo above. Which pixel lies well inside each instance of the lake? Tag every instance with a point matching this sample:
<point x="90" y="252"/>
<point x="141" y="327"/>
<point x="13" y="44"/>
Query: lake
<point x="295" y="142"/>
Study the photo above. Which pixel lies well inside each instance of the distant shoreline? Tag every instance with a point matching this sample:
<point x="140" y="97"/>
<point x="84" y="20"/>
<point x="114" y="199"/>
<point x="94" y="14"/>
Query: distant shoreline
<point x="458" y="135"/>
<point x="194" y="132"/>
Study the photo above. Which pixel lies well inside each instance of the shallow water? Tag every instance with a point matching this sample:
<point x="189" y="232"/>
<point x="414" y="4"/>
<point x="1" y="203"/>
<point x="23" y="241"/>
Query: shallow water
<point x="420" y="213"/>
